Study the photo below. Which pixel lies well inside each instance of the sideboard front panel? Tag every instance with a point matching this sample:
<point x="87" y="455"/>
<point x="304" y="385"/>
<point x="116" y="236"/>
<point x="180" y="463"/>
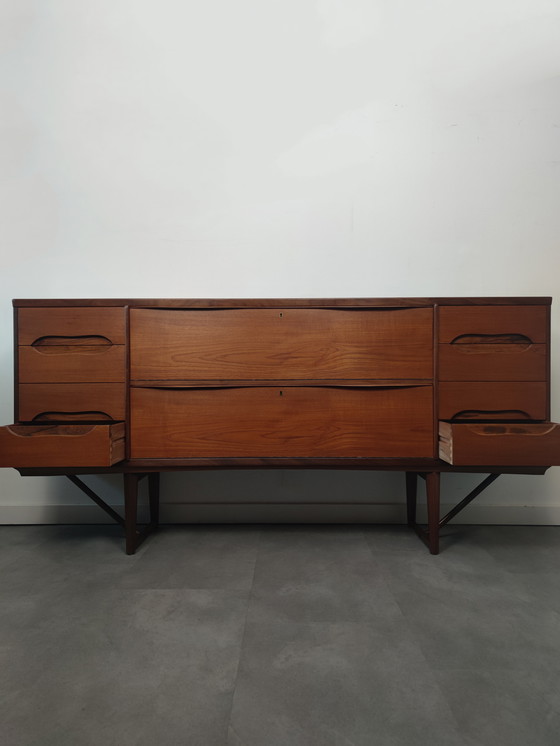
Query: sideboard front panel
<point x="289" y="343"/>
<point x="293" y="421"/>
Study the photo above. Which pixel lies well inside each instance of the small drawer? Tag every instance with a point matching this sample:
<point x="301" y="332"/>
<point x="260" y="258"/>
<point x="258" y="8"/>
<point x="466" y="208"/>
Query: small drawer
<point x="59" y="446"/>
<point x="55" y="402"/>
<point x="498" y="324"/>
<point x="64" y="364"/>
<point x="526" y="444"/>
<point x="291" y="422"/>
<point x="493" y="362"/>
<point x="493" y="400"/>
<point x="72" y="325"/>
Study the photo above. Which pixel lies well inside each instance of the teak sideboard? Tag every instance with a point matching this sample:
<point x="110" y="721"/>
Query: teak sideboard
<point x="418" y="385"/>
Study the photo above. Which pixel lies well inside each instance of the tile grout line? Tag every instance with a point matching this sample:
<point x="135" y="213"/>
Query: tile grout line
<point x="241" y="645"/>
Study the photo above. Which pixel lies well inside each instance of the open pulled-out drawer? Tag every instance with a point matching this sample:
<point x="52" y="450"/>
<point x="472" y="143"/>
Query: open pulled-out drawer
<point x="33" y="446"/>
<point x="500" y="444"/>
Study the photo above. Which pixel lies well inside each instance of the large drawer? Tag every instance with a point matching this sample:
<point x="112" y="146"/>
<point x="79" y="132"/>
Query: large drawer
<point x="492" y="400"/>
<point x="72" y="364"/>
<point x="526" y="444"/>
<point x="290" y="343"/>
<point x="36" y="324"/>
<point x="36" y="446"/>
<point x="71" y="401"/>
<point x="289" y="422"/>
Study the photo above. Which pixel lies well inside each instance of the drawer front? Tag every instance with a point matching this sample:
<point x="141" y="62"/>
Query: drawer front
<point x="505" y="322"/>
<point x="71" y="324"/>
<point x="68" y="364"/>
<point x="36" y="446"/>
<point x="496" y="400"/>
<point x="287" y="343"/>
<point x="71" y="401"/>
<point x="493" y="362"/>
<point x="500" y="445"/>
<point x="294" y="422"/>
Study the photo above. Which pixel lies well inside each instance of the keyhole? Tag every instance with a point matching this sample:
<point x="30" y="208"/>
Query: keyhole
<point x="281" y="315"/>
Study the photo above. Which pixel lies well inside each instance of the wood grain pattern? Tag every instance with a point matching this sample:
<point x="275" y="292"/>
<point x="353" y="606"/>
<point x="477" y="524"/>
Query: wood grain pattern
<point x="272" y="344"/>
<point x="523" y="444"/>
<point x="72" y="365"/>
<point x="61" y="445"/>
<point x="60" y="401"/>
<point x="493" y="362"/>
<point x="529" y="321"/>
<point x="496" y="400"/>
<point x="291" y="422"/>
<point x="34" y="323"/>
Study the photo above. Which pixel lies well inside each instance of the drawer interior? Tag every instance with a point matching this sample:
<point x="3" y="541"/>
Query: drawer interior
<point x="500" y="444"/>
<point x="34" y="446"/>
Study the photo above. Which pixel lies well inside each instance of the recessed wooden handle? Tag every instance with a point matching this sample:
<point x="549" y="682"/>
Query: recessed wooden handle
<point x="57" y="340"/>
<point x="491" y="339"/>
<point x="71" y="416"/>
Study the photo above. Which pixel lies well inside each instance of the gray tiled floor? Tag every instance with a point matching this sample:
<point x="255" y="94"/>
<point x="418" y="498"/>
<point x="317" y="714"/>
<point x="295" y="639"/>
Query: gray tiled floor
<point x="279" y="635"/>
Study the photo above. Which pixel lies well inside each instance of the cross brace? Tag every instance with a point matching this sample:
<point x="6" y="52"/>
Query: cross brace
<point x="134" y="534"/>
<point x="430" y="534"/>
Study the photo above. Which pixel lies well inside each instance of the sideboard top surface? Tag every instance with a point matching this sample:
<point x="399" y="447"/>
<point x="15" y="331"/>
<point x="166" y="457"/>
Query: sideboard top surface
<point x="279" y="302"/>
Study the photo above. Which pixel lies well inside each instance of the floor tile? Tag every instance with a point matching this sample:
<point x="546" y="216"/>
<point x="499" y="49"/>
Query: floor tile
<point x="494" y="707"/>
<point x="336" y="684"/>
<point x="319" y="574"/>
<point x="124" y="667"/>
<point x="196" y="557"/>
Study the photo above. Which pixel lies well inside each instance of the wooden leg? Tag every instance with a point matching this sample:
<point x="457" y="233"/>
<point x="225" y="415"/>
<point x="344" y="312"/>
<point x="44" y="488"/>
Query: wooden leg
<point x="153" y="491"/>
<point x="432" y="493"/>
<point x="411" y="491"/>
<point x="131" y="511"/>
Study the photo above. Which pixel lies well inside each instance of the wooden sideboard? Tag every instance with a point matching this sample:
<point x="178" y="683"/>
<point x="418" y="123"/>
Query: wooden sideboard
<point x="418" y="385"/>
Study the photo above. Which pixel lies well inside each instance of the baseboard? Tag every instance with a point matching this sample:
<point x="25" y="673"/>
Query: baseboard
<point x="528" y="515"/>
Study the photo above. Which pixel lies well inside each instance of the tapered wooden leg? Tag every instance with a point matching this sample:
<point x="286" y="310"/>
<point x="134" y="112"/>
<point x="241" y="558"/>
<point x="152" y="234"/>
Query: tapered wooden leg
<point x="131" y="511"/>
<point x="411" y="491"/>
<point x="432" y="493"/>
<point x="153" y="492"/>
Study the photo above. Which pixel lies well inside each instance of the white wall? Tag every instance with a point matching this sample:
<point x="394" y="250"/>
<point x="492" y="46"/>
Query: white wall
<point x="279" y="148"/>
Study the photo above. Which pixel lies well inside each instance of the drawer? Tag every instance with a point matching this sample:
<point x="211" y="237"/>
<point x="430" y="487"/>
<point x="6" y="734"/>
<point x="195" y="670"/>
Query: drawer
<point x="67" y="364"/>
<point x="35" y="446"/>
<point x="71" y="401"/>
<point x="73" y="325"/>
<point x="493" y="362"/>
<point x="504" y="400"/>
<point x="500" y="323"/>
<point x="293" y="422"/>
<point x="291" y="343"/>
<point x="526" y="444"/>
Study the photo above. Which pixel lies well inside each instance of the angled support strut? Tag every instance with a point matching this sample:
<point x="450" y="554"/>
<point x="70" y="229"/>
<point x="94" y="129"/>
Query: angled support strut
<point x="134" y="534"/>
<point x="430" y="534"/>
